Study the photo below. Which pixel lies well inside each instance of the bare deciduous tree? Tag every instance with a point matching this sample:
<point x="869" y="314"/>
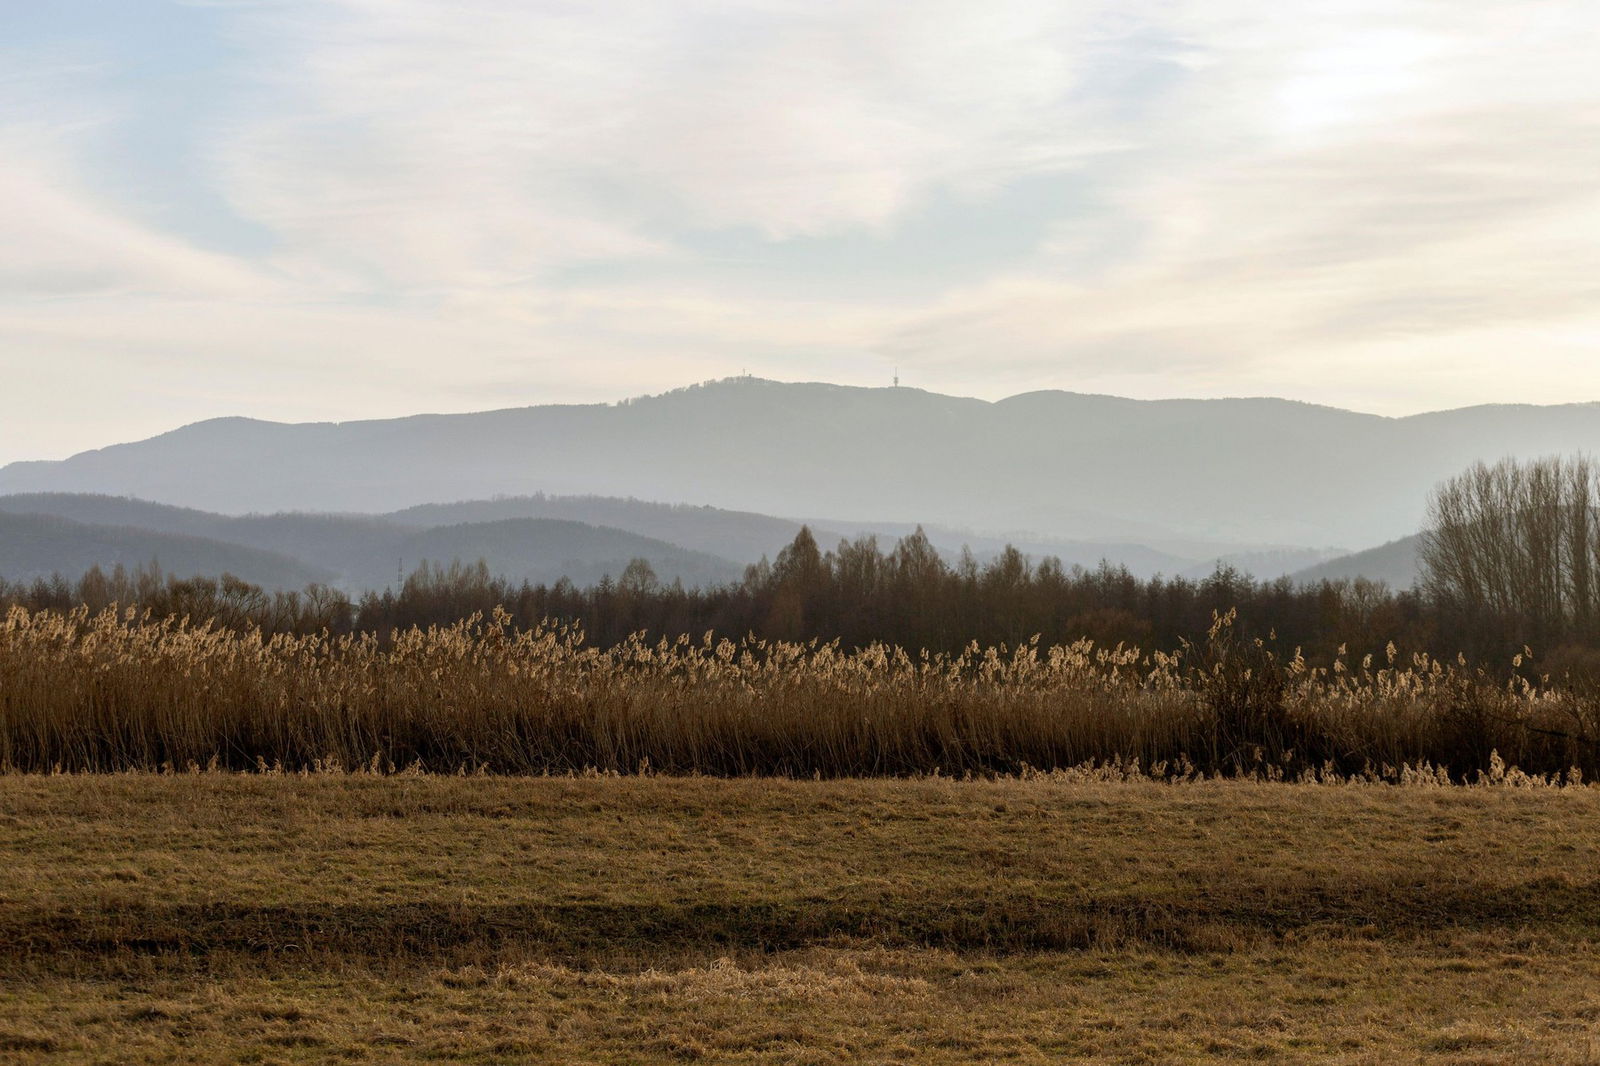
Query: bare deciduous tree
<point x="1513" y="546"/>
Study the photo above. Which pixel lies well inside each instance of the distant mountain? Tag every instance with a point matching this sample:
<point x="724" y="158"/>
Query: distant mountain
<point x="337" y="543"/>
<point x="745" y="536"/>
<point x="1266" y="565"/>
<point x="740" y="536"/>
<point x="365" y="551"/>
<point x="36" y="545"/>
<point x="355" y="551"/>
<point x="1394" y="563"/>
<point x="548" y="549"/>
<point x="1062" y="466"/>
<point x="115" y="511"/>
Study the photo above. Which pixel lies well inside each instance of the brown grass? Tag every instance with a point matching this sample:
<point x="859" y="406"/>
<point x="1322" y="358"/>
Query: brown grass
<point x="226" y="918"/>
<point x="109" y="691"/>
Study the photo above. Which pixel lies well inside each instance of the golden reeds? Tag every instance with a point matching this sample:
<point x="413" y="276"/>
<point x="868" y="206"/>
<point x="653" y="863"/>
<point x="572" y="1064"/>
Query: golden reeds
<point x="107" y="691"/>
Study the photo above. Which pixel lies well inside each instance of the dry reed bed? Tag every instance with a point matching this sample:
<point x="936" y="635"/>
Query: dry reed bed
<point x="113" y="690"/>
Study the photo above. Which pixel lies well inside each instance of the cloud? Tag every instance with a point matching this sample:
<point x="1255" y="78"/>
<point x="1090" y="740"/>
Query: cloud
<point x="58" y="239"/>
<point x="480" y="142"/>
<point x="1342" y="211"/>
<point x="61" y="236"/>
<point x="467" y="203"/>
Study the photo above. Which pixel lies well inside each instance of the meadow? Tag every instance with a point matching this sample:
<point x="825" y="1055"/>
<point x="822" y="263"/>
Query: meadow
<point x="224" y="917"/>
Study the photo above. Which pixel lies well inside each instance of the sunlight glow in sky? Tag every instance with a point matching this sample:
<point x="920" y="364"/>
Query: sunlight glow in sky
<point x="335" y="209"/>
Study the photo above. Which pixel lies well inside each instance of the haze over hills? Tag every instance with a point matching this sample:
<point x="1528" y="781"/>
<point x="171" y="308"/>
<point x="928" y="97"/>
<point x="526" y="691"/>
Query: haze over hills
<point x="518" y="537"/>
<point x="1058" y="465"/>
<point x="738" y="536"/>
<point x="1395" y="563"/>
<point x="41" y="545"/>
<point x="45" y="533"/>
<point x="545" y="550"/>
<point x="745" y="536"/>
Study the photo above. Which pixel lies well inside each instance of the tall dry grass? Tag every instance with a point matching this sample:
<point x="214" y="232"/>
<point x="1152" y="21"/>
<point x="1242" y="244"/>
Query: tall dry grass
<point x="108" y="691"/>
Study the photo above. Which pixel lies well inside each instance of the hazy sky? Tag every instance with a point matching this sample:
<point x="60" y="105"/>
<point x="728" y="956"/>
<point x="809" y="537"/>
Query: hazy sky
<point x="355" y="208"/>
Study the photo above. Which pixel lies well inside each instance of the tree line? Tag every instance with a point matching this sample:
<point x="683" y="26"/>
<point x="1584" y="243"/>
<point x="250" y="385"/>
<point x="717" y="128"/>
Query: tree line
<point x="1510" y="558"/>
<point x="858" y="593"/>
<point x="909" y="595"/>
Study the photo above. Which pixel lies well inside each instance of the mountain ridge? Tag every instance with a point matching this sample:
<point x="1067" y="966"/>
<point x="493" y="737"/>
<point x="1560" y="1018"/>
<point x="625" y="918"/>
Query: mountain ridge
<point x="35" y="546"/>
<point x="358" y="552"/>
<point x="695" y="544"/>
<point x="1239" y="472"/>
<point x="1396" y="564"/>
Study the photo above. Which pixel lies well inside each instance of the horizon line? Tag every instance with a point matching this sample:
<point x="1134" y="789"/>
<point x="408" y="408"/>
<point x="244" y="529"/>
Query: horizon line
<point x="754" y="379"/>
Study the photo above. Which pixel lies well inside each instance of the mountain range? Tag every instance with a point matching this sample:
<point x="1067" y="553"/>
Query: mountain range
<point x="1170" y="486"/>
<point x="540" y="539"/>
<point x="41" y="534"/>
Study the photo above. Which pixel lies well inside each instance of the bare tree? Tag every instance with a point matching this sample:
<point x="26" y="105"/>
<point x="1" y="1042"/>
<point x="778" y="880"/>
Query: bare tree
<point x="1513" y="546"/>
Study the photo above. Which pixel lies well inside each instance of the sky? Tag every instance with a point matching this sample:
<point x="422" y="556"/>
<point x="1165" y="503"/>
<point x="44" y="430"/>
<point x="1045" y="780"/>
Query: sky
<point x="363" y="208"/>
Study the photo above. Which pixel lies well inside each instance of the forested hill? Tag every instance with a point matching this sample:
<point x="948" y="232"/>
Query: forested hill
<point x="42" y="534"/>
<point x="537" y="538"/>
<point x="1057" y="464"/>
<point x="1395" y="564"/>
<point x="34" y="546"/>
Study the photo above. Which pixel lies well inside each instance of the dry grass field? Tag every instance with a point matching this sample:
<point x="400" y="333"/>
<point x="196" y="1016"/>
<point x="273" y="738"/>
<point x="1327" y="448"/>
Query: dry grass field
<point x="348" y="917"/>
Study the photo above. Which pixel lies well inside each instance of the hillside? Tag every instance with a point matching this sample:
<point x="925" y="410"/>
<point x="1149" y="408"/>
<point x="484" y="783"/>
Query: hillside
<point x="333" y="542"/>
<point x="740" y="536"/>
<point x="578" y="537"/>
<point x="1266" y="565"/>
<point x="1394" y="563"/>
<point x="746" y="537"/>
<point x="355" y="551"/>
<point x="1062" y="465"/>
<point x="544" y="550"/>
<point x="36" y="545"/>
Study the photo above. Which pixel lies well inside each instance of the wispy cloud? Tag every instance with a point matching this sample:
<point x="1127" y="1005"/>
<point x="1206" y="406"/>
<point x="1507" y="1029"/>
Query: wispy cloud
<point x="451" y="205"/>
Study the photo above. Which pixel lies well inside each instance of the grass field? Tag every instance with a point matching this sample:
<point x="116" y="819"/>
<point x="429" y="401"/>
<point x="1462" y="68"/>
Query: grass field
<point x="224" y="918"/>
